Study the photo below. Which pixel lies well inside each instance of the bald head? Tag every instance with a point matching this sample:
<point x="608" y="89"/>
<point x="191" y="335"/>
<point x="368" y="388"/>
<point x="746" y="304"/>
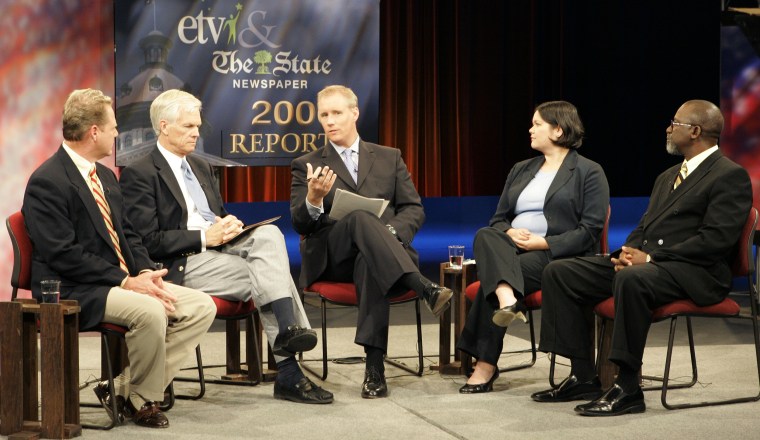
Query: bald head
<point x="706" y="115"/>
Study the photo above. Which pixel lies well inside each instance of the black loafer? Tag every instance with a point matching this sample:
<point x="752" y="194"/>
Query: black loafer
<point x="437" y="298"/>
<point x="614" y="402"/>
<point x="374" y="385"/>
<point x="570" y="389"/>
<point x="104" y="396"/>
<point x="295" y="340"/>
<point x="305" y="391"/>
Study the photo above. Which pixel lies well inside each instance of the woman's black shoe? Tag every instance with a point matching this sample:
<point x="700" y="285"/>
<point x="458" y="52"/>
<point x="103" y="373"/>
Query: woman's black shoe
<point x="504" y="316"/>
<point x="480" y="387"/>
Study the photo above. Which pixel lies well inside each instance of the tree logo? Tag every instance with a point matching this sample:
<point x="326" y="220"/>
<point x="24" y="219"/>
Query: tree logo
<point x="262" y="58"/>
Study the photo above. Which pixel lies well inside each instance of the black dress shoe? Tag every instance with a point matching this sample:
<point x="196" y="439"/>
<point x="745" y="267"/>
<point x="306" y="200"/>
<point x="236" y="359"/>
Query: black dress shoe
<point x="374" y="385"/>
<point x="149" y="415"/>
<point x="104" y="396"/>
<point x="304" y="391"/>
<point x="505" y="315"/>
<point x="614" y="402"/>
<point x="295" y="340"/>
<point x="437" y="298"/>
<point x="480" y="387"/>
<point x="570" y="389"/>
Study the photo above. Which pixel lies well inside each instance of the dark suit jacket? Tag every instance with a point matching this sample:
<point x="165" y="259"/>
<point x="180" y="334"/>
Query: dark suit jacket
<point x="575" y="206"/>
<point x="382" y="174"/>
<point x="692" y="232"/>
<point x="154" y="203"/>
<point x="70" y="239"/>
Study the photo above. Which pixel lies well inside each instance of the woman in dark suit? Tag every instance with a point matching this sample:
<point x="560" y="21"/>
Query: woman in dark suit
<point x="552" y="206"/>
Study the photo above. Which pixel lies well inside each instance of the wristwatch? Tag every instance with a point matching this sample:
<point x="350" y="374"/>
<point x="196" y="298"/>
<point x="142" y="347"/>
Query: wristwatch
<point x="395" y="234"/>
<point x="649" y="258"/>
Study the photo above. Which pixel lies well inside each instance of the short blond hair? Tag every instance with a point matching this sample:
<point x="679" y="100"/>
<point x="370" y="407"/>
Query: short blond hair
<point x="83" y="109"/>
<point x="347" y="93"/>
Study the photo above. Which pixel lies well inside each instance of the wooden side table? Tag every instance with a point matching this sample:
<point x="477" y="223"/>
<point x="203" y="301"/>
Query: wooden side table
<point x="456" y="280"/>
<point x="59" y="369"/>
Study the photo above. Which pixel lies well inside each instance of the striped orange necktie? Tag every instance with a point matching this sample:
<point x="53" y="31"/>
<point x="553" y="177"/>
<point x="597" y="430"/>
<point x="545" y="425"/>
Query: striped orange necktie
<point x="681" y="175"/>
<point x="105" y="211"/>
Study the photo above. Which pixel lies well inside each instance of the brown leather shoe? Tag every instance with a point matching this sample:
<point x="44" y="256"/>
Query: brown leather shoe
<point x="149" y="415"/>
<point x="103" y="392"/>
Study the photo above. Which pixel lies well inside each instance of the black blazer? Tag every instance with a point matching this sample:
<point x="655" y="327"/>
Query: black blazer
<point x="70" y="239"/>
<point x="382" y="174"/>
<point x="575" y="206"/>
<point x="692" y="231"/>
<point x="154" y="204"/>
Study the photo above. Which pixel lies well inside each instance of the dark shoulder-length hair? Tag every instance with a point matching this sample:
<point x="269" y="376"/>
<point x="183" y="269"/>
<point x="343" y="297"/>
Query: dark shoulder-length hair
<point x="564" y="115"/>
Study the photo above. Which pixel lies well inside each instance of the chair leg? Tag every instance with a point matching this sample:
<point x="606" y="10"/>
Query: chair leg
<point x="666" y="387"/>
<point x="111" y="389"/>
<point x="304" y="365"/>
<point x="252" y="350"/>
<point x="420" y="364"/>
<point x="201" y="380"/>
<point x="235" y="374"/>
<point x="532" y="352"/>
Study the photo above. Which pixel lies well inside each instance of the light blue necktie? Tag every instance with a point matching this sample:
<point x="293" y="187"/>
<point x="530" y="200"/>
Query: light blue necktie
<point x="196" y="192"/>
<point x="348" y="159"/>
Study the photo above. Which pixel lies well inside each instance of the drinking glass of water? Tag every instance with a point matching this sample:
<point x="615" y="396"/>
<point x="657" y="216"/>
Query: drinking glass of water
<point x="51" y="291"/>
<point x="456" y="256"/>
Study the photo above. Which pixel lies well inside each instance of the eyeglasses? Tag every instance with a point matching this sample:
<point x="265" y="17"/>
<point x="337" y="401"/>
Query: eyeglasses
<point x="682" y="124"/>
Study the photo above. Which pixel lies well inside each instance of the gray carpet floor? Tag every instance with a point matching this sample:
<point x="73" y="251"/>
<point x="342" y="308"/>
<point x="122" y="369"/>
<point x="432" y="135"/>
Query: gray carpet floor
<point x="430" y="406"/>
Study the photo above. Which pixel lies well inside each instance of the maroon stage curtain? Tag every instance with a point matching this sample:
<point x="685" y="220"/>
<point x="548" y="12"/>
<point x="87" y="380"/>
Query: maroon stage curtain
<point x="452" y="98"/>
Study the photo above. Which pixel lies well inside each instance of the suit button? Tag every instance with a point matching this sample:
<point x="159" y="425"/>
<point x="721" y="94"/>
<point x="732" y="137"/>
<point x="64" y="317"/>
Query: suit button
<point x="181" y="268"/>
<point x="675" y="212"/>
<point x="660" y="242"/>
<point x="644" y="243"/>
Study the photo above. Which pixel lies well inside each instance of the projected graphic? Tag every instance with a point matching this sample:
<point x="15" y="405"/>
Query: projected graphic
<point x="256" y="65"/>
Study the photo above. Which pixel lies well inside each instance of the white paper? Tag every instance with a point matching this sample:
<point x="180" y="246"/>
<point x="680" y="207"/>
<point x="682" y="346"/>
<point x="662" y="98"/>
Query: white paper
<point x="346" y="202"/>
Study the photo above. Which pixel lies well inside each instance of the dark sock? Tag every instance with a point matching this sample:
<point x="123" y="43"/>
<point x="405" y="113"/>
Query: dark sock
<point x="283" y="311"/>
<point x="375" y="359"/>
<point x="414" y="281"/>
<point x="288" y="372"/>
<point x="583" y="369"/>
<point x="628" y="379"/>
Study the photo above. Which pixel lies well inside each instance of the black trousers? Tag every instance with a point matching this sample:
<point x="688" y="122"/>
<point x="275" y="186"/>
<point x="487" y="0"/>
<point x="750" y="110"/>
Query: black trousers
<point x="362" y="250"/>
<point x="571" y="285"/>
<point x="498" y="260"/>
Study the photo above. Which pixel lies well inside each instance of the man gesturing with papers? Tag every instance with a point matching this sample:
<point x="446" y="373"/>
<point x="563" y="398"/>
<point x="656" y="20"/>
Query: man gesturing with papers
<point x="371" y="250"/>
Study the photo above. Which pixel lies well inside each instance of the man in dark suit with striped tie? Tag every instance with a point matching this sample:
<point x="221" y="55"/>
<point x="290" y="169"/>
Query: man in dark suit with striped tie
<point x="682" y="248"/>
<point x="75" y="218"/>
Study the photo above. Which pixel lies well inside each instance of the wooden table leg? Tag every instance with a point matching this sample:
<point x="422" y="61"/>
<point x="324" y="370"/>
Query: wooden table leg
<point x="11" y="412"/>
<point x="71" y="369"/>
<point x="51" y="370"/>
<point x="444" y="329"/>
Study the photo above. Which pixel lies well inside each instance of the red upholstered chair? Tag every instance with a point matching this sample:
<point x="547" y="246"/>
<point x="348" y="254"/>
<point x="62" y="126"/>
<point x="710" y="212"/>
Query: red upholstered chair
<point x="743" y="266"/>
<point x="533" y="302"/>
<point x="233" y="312"/>
<point x="344" y="294"/>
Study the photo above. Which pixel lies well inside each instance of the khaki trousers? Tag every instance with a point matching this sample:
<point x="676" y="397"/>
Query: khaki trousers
<point x="158" y="342"/>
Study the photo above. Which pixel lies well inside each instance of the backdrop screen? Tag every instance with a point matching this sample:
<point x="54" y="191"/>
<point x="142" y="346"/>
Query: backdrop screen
<point x="256" y="66"/>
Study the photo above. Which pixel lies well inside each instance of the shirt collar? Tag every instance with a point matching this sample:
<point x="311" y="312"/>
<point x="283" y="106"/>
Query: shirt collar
<point x="83" y="165"/>
<point x="694" y="162"/>
<point x="175" y="162"/>
<point x="354" y="147"/>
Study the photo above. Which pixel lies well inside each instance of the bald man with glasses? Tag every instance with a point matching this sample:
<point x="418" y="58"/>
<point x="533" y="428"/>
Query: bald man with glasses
<point x="681" y="248"/>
